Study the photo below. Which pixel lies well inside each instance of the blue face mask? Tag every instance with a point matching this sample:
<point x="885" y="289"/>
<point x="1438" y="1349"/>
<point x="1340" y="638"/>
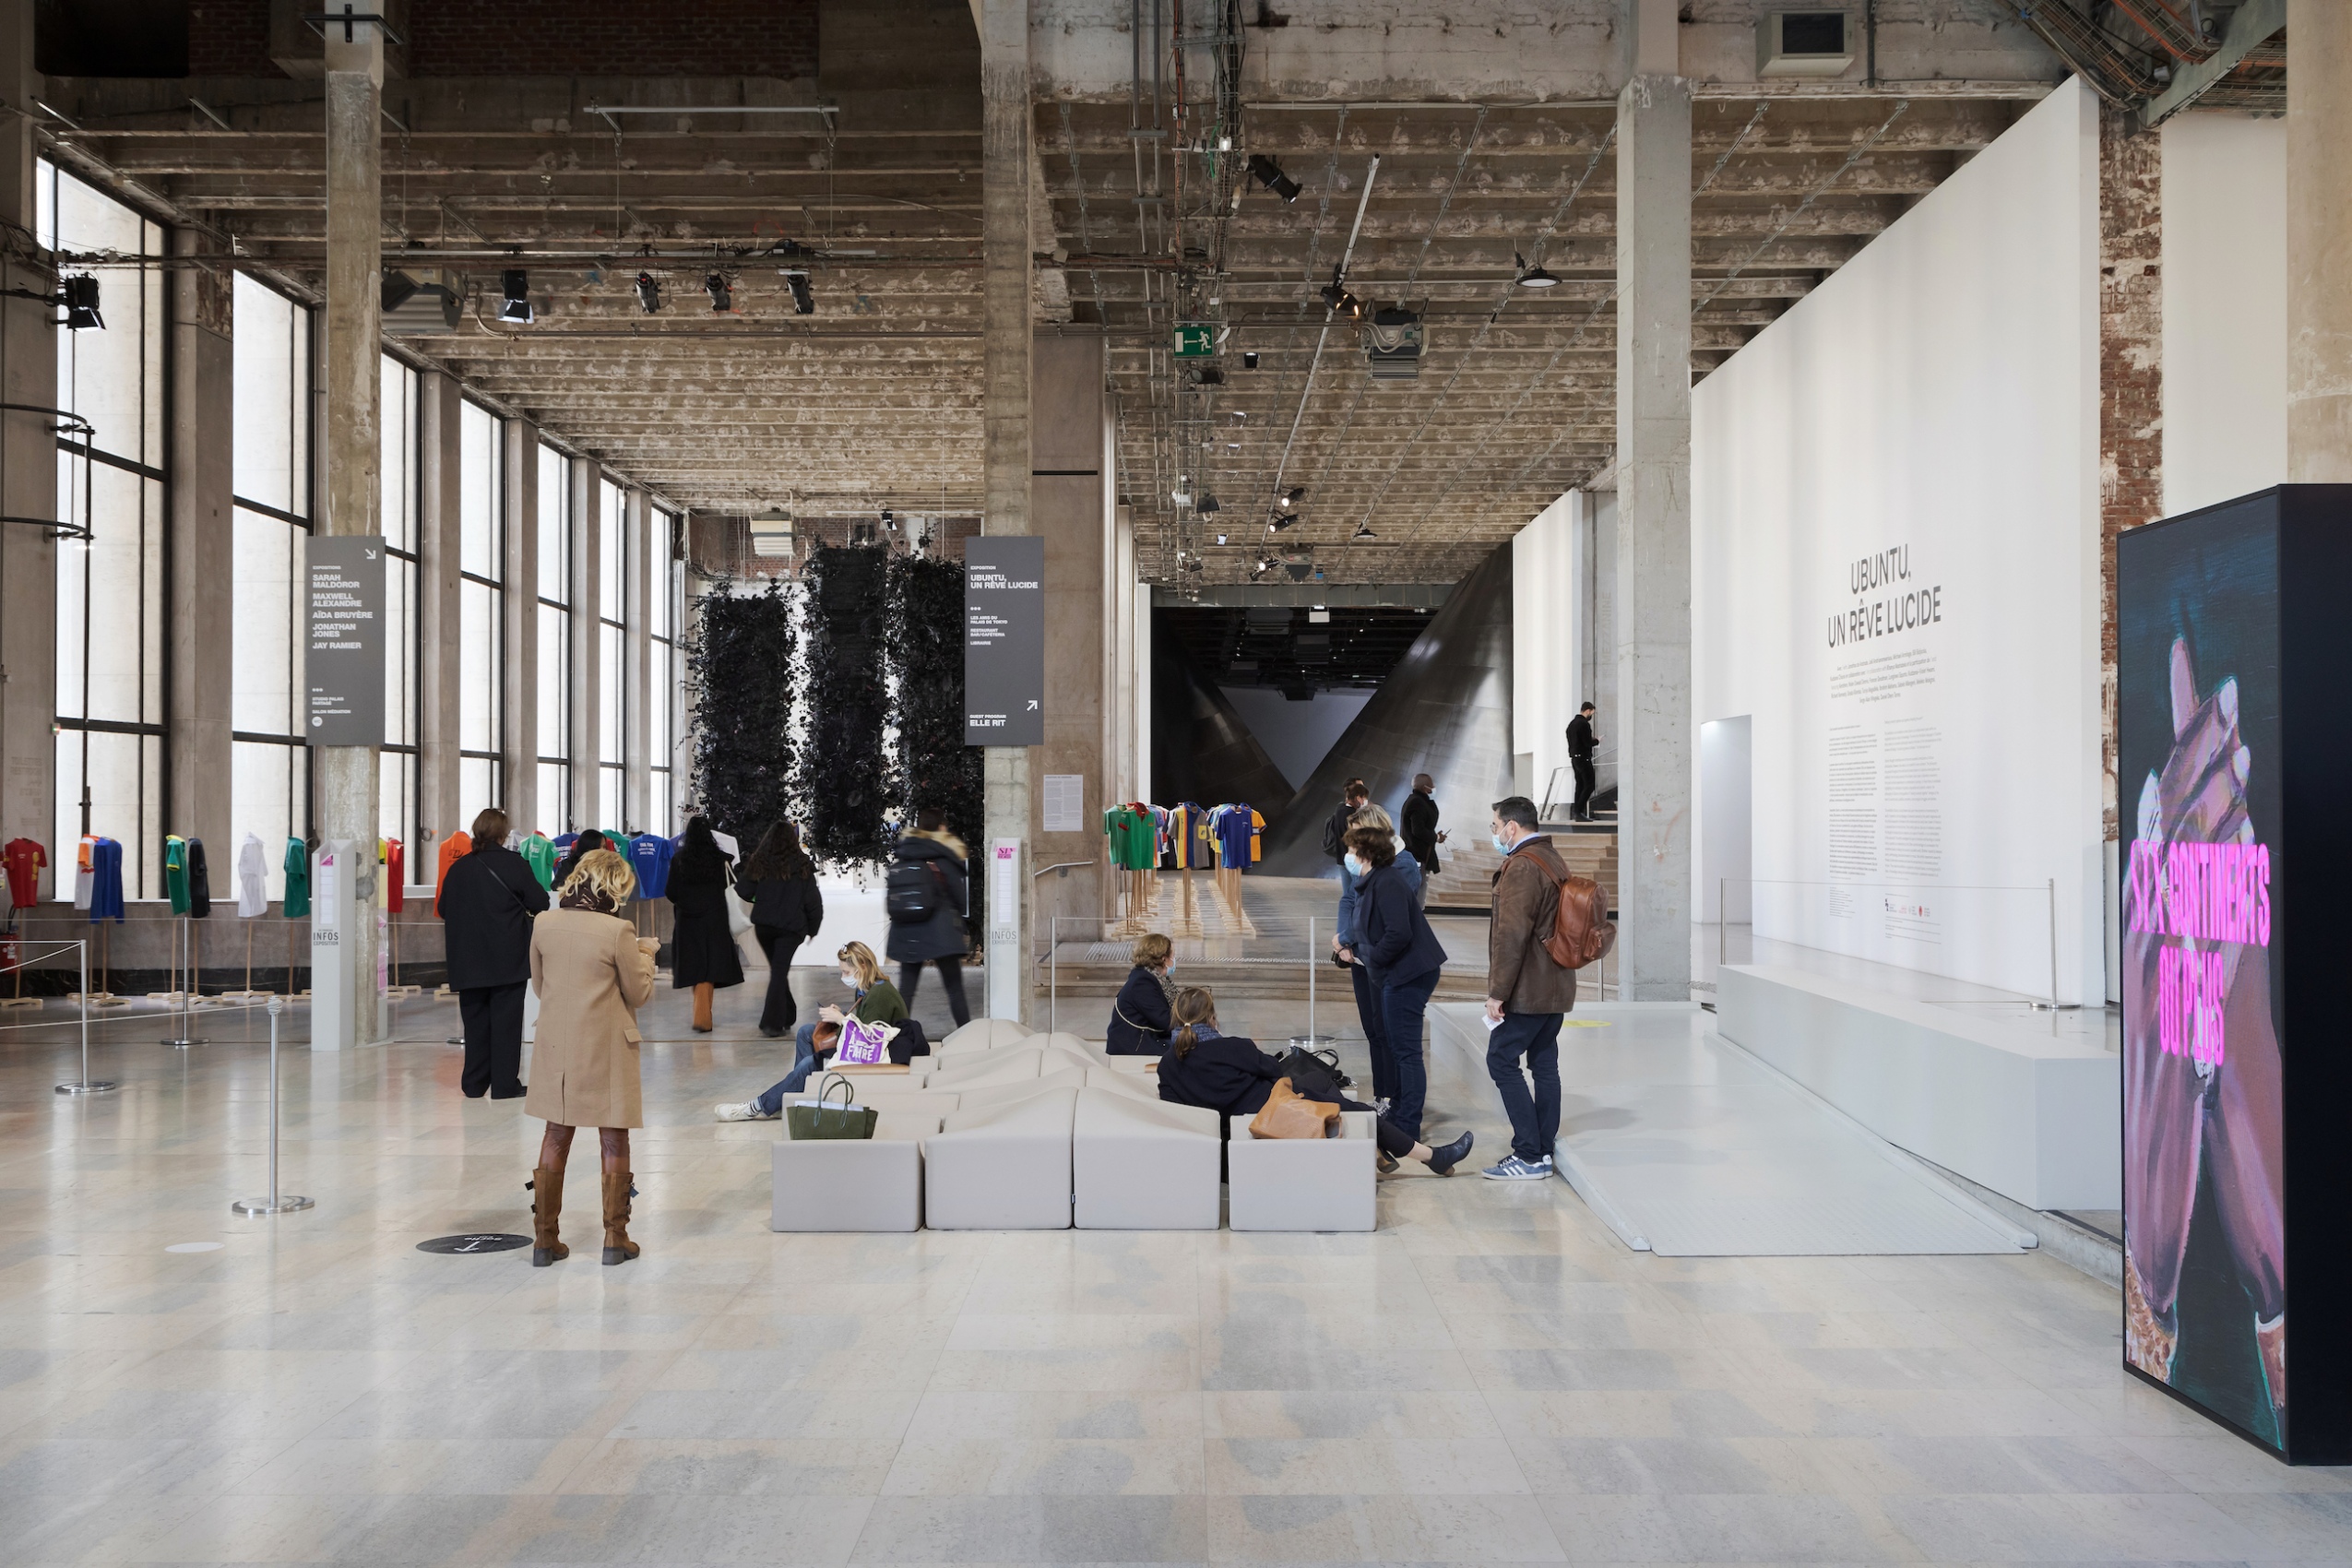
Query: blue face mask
<point x="1502" y="844"/>
<point x="1355" y="866"/>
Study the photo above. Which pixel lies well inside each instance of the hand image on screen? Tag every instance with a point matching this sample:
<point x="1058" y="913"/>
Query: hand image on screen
<point x="2179" y="1113"/>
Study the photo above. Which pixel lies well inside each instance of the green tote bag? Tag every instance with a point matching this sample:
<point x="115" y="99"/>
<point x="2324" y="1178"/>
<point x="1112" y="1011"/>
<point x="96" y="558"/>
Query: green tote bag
<point x="821" y="1120"/>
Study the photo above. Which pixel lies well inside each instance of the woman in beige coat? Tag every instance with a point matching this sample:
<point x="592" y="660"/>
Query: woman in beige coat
<point x="591" y="972"/>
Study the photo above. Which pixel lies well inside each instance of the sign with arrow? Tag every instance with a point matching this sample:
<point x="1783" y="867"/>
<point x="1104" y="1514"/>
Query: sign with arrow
<point x="1195" y="339"/>
<point x="344" y="652"/>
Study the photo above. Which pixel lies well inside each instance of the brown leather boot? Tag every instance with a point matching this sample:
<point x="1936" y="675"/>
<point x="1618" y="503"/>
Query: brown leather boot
<point x="703" y="995"/>
<point x="618" y="1248"/>
<point x="547" y="1207"/>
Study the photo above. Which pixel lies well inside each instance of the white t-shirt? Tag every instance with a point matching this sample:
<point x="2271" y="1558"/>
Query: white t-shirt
<point x="252" y="867"/>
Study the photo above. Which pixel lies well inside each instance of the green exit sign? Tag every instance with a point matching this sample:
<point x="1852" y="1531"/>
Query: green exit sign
<point x="1195" y="339"/>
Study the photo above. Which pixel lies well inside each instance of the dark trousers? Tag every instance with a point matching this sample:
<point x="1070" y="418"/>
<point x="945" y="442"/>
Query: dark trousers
<point x="1535" y="1119"/>
<point x="1368" y="1005"/>
<point x="951" y="974"/>
<point x="781" y="1011"/>
<point x="494" y="1019"/>
<point x="1586" y="780"/>
<point x="1402" y="1009"/>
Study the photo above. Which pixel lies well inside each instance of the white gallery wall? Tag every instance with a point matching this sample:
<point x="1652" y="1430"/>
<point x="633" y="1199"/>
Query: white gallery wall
<point x="1547" y="654"/>
<point x="1894" y="494"/>
<point x="2225" y="308"/>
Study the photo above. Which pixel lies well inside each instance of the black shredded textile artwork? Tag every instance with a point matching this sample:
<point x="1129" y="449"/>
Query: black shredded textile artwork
<point x="844" y="777"/>
<point x="742" y="671"/>
<point x="931" y="768"/>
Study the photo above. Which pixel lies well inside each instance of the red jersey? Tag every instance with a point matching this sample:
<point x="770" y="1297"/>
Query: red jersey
<point x="25" y="858"/>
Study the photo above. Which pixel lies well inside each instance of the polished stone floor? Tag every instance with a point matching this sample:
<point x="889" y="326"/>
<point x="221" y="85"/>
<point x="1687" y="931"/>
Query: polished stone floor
<point x="1490" y="1378"/>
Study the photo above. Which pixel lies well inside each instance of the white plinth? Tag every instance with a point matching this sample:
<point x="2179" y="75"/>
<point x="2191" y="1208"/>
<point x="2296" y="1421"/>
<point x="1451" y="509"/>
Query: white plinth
<point x="2036" y="1119"/>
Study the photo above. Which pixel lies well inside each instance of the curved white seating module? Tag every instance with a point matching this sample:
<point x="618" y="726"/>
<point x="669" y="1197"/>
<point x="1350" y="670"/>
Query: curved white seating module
<point x="981" y="1034"/>
<point x="1004" y="1064"/>
<point x="1302" y="1184"/>
<point x="856" y="1183"/>
<point x="1003" y="1166"/>
<point x="1141" y="1164"/>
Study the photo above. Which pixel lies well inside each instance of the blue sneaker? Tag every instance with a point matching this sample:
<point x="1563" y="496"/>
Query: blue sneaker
<point x="1514" y="1169"/>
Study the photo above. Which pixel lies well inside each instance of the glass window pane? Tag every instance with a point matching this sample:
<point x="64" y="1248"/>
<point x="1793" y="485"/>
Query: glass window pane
<point x="663" y="806"/>
<point x="113" y="582"/>
<point x="126" y="777"/>
<point x="265" y="800"/>
<point x="610" y="707"/>
<point x="265" y="643"/>
<point x="477" y="531"/>
<point x="271" y="350"/>
<point x="398" y="472"/>
<point x="476" y="786"/>
<point x="400" y="652"/>
<point x="554" y="685"/>
<point x="661" y="614"/>
<point x="477" y="667"/>
<point x="608" y="798"/>
<point x="396" y="809"/>
<point x="611" y="551"/>
<point x="113" y="377"/>
<point x="554" y="526"/>
<point x="554" y="798"/>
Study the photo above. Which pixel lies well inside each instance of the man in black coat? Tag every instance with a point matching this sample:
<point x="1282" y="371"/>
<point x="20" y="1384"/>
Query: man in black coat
<point x="486" y="905"/>
<point x="1334" y="832"/>
<point x="1581" y="742"/>
<point x="1417" y="825"/>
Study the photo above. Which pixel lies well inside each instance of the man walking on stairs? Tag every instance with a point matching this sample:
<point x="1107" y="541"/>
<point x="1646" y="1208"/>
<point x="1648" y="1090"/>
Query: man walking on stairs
<point x="1581" y="741"/>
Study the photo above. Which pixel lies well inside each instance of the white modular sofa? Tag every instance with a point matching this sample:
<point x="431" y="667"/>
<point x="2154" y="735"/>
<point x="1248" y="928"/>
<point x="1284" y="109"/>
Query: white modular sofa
<point x="1002" y="1163"/>
<point x="1142" y="1164"/>
<point x="1303" y="1184"/>
<point x="859" y="1183"/>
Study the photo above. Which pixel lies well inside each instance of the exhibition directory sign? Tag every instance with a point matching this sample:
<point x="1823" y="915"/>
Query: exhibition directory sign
<point x="1005" y="640"/>
<point x="2234" y="762"/>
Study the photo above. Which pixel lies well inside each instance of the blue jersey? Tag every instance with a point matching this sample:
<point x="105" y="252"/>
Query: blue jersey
<point x="106" y="880"/>
<point x="1236" y="835"/>
<point x="649" y="857"/>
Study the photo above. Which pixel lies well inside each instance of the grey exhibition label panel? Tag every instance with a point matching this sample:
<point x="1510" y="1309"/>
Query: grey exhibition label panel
<point x="1005" y="640"/>
<point x="345" y="641"/>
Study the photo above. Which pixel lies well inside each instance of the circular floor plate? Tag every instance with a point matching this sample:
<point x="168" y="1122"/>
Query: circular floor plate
<point x="475" y="1241"/>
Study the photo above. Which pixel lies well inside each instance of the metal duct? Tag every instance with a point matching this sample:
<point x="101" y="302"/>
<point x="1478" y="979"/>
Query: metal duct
<point x="2161" y="19"/>
<point x="1202" y="750"/>
<point x="1445" y="711"/>
<point x="2101" y="60"/>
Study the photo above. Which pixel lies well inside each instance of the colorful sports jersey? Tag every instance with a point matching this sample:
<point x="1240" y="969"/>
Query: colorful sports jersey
<point x="25" y="858"/>
<point x="85" y="876"/>
<point x="649" y="858"/>
<point x="176" y="872"/>
<point x="1135" y="837"/>
<point x="1188" y="836"/>
<point x="1237" y="835"/>
<point x="297" y="869"/>
<point x="539" y="855"/>
<point x="457" y="843"/>
<point x="105" y="881"/>
<point x="394" y="859"/>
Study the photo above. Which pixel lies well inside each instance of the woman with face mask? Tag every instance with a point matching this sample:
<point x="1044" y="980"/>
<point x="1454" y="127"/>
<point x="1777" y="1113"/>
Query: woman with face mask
<point x="1352" y="869"/>
<point x="873" y="1001"/>
<point x="1402" y="956"/>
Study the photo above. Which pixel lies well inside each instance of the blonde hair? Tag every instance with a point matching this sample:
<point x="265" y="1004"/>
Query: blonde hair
<point x="602" y="872"/>
<point x="1152" y="950"/>
<point x="861" y="958"/>
<point x="1371" y="814"/>
<point x="1193" y="1005"/>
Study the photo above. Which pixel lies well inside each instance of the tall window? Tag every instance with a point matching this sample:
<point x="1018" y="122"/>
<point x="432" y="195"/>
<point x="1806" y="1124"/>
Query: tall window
<point x="402" y="475"/>
<point x="554" y="639"/>
<point x="480" y="547"/>
<point x="269" y="761"/>
<point x="661" y="700"/>
<point x="110" y="590"/>
<point x="611" y="649"/>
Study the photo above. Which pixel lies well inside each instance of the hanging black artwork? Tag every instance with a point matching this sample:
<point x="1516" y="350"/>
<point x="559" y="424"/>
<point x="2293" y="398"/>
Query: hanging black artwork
<point x="844" y="775"/>
<point x="933" y="770"/>
<point x="742" y="671"/>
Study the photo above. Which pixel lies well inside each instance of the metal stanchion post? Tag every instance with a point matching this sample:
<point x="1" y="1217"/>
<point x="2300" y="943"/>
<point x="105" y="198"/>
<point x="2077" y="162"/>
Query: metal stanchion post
<point x="1053" y="973"/>
<point x="1722" y="925"/>
<point x="273" y="1204"/>
<point x="1310" y="977"/>
<point x="183" y="1030"/>
<point x="85" y="1086"/>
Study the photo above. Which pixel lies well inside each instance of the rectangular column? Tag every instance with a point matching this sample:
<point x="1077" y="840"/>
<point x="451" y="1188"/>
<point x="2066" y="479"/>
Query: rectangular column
<point x="1005" y="358"/>
<point x="440" y="811"/>
<point x="2318" y="242"/>
<point x="1653" y="599"/>
<point x="636" y="664"/>
<point x="28" y="484"/>
<point x="201" y="544"/>
<point x="1072" y="508"/>
<point x="347" y="786"/>
<point x="518" y="497"/>
<point x="586" y="577"/>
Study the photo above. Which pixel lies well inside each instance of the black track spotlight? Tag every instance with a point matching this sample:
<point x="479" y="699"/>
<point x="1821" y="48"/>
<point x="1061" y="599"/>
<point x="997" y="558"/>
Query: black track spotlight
<point x="1336" y="295"/>
<point x="803" y="302"/>
<point x="1363" y="531"/>
<point x="1206" y="503"/>
<point x="721" y="293"/>
<point x="79" y="296"/>
<point x="649" y="293"/>
<point x="1533" y="277"/>
<point x="1292" y="496"/>
<point x="889" y="520"/>
<point x="1267" y="173"/>
<point x="515" y="295"/>
<point x="1249" y="359"/>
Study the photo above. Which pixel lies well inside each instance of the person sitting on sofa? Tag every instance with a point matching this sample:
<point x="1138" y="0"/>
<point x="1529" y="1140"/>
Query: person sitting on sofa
<point x="876" y="1001"/>
<point x="1139" y="1019"/>
<point x="1231" y="1076"/>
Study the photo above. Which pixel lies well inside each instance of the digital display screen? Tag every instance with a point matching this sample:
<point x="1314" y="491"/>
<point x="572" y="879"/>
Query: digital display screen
<point x="2198" y="765"/>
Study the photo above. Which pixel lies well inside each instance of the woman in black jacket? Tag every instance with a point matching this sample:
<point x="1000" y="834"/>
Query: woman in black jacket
<point x="936" y="855"/>
<point x="1403" y="956"/>
<point x="486" y="904"/>
<point x="1231" y="1077"/>
<point x="702" y="947"/>
<point x="786" y="910"/>
<point x="1139" y="1018"/>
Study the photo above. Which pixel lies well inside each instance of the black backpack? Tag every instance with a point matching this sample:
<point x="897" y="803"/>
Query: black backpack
<point x="910" y="892"/>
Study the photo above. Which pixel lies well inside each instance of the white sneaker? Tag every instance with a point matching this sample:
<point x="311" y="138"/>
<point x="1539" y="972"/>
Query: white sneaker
<point x="741" y="1110"/>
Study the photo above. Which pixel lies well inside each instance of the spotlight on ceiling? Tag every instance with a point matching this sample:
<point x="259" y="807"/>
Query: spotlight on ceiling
<point x="1220" y="539"/>
<point x="649" y="293"/>
<point x="804" y="304"/>
<point x="1336" y="295"/>
<point x="515" y="294"/>
<point x="1292" y="496"/>
<point x="889" y="520"/>
<point x="1207" y="502"/>
<point x="1363" y="531"/>
<point x="1249" y="359"/>
<point x="1533" y="277"/>
<point x="79" y="296"/>
<point x="722" y="296"/>
<point x="1267" y="173"/>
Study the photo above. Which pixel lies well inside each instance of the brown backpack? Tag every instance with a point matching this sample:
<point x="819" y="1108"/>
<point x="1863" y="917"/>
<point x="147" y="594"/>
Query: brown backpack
<point x="1582" y="933"/>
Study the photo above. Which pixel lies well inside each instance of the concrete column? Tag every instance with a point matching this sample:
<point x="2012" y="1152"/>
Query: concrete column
<point x="2319" y="241"/>
<point x="1121" y="776"/>
<point x="202" y="542"/>
<point x="348" y="785"/>
<point x="1073" y="509"/>
<point x="587" y="576"/>
<point x="636" y="664"/>
<point x="518" y="569"/>
<point x="27" y="555"/>
<point x="1654" y="517"/>
<point x="440" y="809"/>
<point x="1006" y="349"/>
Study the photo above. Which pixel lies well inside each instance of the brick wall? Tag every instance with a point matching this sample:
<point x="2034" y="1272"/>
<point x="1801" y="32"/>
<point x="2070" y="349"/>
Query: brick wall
<point x="230" y="38"/>
<point x="2130" y="372"/>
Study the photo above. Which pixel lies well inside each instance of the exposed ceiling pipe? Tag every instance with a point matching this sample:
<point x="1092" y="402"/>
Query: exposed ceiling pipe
<point x="2181" y="37"/>
<point x="1329" y="309"/>
<point x="2097" y="55"/>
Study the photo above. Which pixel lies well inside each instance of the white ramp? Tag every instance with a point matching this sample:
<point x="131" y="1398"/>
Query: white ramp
<point x="1688" y="1146"/>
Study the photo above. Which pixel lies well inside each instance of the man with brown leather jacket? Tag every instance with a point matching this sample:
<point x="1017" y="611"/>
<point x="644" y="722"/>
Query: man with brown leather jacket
<point x="1527" y="993"/>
